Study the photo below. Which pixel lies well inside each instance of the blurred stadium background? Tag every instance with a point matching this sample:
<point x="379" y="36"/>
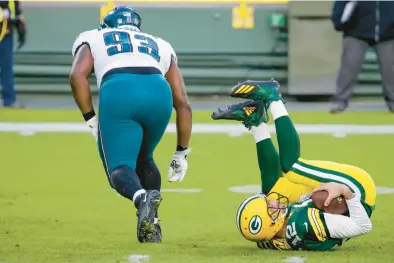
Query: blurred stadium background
<point x="55" y="202"/>
<point x="218" y="43"/>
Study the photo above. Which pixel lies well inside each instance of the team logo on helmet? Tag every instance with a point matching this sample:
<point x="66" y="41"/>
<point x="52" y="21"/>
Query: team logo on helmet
<point x="255" y="224"/>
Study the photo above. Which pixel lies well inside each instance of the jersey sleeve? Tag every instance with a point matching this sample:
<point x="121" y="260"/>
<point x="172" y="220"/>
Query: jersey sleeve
<point x="83" y="39"/>
<point x="173" y="54"/>
<point x="317" y="225"/>
<point x="356" y="224"/>
<point x="168" y="55"/>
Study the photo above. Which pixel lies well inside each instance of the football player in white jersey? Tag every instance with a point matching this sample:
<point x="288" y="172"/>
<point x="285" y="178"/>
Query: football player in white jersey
<point x="139" y="83"/>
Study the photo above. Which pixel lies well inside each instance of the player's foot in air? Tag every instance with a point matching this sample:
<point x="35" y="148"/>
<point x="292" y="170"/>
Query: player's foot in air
<point x="265" y="91"/>
<point x="251" y="113"/>
<point x="147" y="210"/>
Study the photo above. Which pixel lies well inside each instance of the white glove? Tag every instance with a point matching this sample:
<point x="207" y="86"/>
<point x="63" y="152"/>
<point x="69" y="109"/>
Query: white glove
<point x="178" y="166"/>
<point x="93" y="125"/>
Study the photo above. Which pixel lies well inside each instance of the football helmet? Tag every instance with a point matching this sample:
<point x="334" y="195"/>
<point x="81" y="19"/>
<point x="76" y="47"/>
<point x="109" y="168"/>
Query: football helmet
<point x="261" y="217"/>
<point x="121" y="16"/>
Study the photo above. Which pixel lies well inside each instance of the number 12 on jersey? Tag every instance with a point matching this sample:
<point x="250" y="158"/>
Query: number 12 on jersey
<point x="120" y="42"/>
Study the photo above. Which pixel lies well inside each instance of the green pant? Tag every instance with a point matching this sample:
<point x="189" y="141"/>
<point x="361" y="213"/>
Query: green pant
<point x="273" y="164"/>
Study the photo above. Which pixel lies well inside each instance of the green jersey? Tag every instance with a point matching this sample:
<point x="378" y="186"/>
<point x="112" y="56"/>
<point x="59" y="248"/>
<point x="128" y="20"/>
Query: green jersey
<point x="306" y="229"/>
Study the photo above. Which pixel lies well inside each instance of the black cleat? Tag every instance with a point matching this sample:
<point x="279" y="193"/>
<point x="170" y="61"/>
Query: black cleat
<point x="157" y="236"/>
<point x="251" y="113"/>
<point x="147" y="210"/>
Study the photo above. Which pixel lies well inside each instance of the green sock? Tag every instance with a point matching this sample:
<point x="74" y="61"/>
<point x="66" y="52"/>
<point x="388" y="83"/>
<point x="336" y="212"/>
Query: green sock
<point x="269" y="164"/>
<point x="288" y="141"/>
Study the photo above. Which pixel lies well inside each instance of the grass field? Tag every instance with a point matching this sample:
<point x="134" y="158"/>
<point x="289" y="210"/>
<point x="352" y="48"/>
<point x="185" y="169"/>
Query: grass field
<point x="56" y="205"/>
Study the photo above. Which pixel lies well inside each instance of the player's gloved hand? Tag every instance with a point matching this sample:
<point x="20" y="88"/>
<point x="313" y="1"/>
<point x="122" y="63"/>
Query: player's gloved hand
<point x="178" y="166"/>
<point x="277" y="244"/>
<point x="93" y="125"/>
<point x="21" y="29"/>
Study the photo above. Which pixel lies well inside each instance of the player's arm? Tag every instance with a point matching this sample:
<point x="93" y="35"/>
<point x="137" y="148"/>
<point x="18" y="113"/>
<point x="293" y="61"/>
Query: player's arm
<point x="82" y="68"/>
<point x="20" y="24"/>
<point x="339" y="226"/>
<point x="181" y="106"/>
<point x="178" y="166"/>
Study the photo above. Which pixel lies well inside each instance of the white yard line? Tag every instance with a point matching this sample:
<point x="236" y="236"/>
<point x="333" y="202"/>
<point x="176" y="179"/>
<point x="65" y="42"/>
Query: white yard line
<point x="233" y="129"/>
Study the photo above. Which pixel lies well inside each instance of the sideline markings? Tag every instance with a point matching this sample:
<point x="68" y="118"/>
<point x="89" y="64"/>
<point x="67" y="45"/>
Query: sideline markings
<point x="233" y="129"/>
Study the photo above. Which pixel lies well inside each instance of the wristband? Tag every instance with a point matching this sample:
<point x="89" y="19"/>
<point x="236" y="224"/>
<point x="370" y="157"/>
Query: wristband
<point x="87" y="116"/>
<point x="180" y="148"/>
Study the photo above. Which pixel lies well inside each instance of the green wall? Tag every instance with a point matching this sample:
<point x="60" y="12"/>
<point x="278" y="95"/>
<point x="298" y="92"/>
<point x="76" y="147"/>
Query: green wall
<point x="188" y="29"/>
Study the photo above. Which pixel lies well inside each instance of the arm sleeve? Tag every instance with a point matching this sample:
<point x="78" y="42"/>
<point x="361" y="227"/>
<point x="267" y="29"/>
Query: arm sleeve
<point x="356" y="224"/>
<point x="173" y="54"/>
<point x="170" y="56"/>
<point x="336" y="15"/>
<point x="18" y="9"/>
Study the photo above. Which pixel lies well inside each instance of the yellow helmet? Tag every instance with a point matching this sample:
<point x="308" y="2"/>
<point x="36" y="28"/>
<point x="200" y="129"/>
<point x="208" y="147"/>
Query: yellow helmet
<point x="255" y="219"/>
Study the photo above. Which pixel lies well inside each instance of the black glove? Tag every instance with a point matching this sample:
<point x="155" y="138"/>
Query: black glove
<point x="21" y="34"/>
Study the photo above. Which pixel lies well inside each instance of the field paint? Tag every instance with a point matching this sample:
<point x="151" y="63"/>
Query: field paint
<point x="232" y="129"/>
<point x="27" y="133"/>
<point x="181" y="190"/>
<point x="138" y="258"/>
<point x="294" y="259"/>
<point x="173" y="190"/>
<point x="256" y="188"/>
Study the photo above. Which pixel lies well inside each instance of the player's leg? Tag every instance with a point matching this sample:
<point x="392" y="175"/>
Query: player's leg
<point x="154" y="120"/>
<point x="287" y="136"/>
<point x="102" y="157"/>
<point x="268" y="93"/>
<point x="270" y="169"/>
<point x="267" y="157"/>
<point x="6" y="72"/>
<point x="121" y="138"/>
<point x="252" y="114"/>
<point x="153" y="111"/>
<point x="314" y="172"/>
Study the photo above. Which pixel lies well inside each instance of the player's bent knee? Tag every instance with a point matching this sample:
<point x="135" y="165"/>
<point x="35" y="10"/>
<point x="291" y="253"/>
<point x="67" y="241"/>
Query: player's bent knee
<point x="286" y="166"/>
<point x="121" y="178"/>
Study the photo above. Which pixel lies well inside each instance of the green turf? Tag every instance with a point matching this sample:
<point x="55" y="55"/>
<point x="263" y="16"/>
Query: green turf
<point x="56" y="205"/>
<point x="349" y="117"/>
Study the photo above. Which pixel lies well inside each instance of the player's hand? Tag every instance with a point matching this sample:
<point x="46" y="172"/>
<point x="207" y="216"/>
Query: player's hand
<point x="278" y="244"/>
<point x="21" y="29"/>
<point x="334" y="190"/>
<point x="93" y="125"/>
<point x="178" y="166"/>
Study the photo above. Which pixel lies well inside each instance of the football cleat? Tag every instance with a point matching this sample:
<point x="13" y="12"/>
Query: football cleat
<point x="147" y="210"/>
<point x="251" y="113"/>
<point x="157" y="235"/>
<point x="265" y="91"/>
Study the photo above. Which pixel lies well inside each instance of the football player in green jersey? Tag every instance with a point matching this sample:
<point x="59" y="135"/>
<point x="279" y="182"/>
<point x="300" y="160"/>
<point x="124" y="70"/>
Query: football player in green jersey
<point x="283" y="216"/>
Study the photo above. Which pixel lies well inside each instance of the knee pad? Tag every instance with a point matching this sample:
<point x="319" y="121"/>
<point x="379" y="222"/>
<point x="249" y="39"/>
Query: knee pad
<point x="149" y="174"/>
<point x="125" y="181"/>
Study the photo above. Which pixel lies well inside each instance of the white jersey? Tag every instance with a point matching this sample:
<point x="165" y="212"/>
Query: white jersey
<point x="125" y="47"/>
